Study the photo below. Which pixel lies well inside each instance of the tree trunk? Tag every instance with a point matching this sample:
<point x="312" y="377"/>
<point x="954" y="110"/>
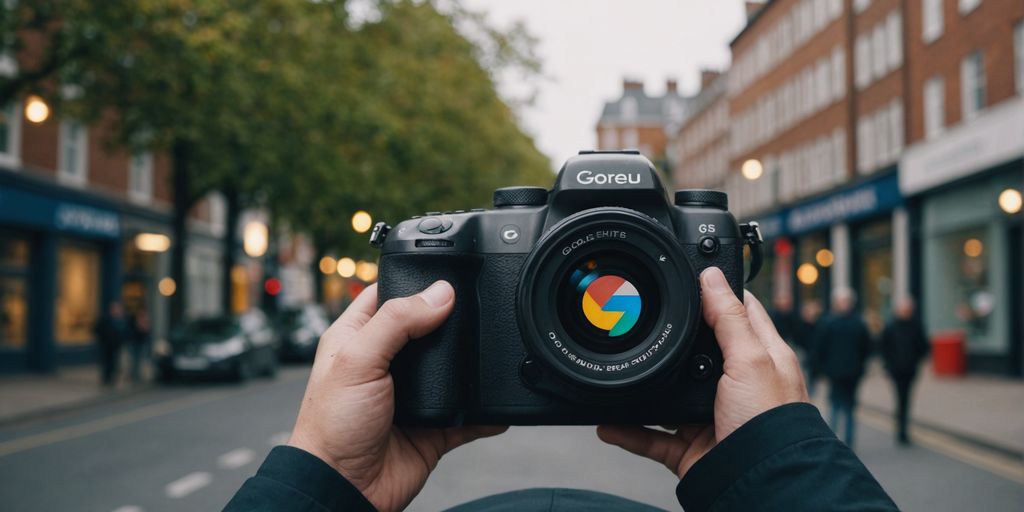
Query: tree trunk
<point x="229" y="257"/>
<point x="181" y="154"/>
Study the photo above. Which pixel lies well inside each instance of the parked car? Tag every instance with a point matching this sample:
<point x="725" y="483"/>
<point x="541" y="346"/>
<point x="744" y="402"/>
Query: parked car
<point x="299" y="331"/>
<point x="237" y="347"/>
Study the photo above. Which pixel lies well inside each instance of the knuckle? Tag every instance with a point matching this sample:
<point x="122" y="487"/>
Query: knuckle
<point x="395" y="310"/>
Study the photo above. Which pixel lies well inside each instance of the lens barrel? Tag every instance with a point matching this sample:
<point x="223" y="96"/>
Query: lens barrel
<point x="608" y="299"/>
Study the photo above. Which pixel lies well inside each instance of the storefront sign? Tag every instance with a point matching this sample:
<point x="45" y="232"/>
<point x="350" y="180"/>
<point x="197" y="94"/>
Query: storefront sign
<point x="996" y="136"/>
<point x="39" y="211"/>
<point x="864" y="200"/>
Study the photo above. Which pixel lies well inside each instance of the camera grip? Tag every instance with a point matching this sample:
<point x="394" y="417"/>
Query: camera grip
<point x="432" y="374"/>
<point x="729" y="260"/>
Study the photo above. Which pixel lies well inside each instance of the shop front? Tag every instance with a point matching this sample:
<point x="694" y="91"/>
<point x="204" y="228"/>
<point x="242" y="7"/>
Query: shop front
<point x="967" y="188"/>
<point x="60" y="261"/>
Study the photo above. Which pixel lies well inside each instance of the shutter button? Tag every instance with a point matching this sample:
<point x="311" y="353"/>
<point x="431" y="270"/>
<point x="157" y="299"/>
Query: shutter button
<point x="435" y="225"/>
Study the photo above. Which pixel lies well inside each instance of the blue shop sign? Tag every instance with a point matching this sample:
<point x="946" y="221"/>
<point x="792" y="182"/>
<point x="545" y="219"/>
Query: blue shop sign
<point x="39" y="211"/>
<point x="864" y="200"/>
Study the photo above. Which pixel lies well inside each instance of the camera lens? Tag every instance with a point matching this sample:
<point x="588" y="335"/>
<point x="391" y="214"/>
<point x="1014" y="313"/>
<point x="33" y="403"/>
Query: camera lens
<point x="608" y="299"/>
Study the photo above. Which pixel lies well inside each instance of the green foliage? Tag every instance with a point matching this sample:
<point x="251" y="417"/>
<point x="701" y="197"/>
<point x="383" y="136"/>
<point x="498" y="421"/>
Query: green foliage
<point x="290" y="104"/>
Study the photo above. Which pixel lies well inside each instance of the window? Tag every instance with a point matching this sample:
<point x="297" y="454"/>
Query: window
<point x="838" y="73"/>
<point x="835" y="9"/>
<point x="14" y="290"/>
<point x="629" y="108"/>
<point x="967" y="6"/>
<point x="1018" y="55"/>
<point x="821" y="77"/>
<point x="10" y="135"/>
<point x="878" y="62"/>
<point x="896" y="127"/>
<point x="883" y="139"/>
<point x="862" y="61"/>
<point x="609" y="139"/>
<point x="78" y="294"/>
<point x="934" y="107"/>
<point x="860" y="5"/>
<point x="932" y="21"/>
<point x="140" y="177"/>
<point x="72" y="156"/>
<point x="630" y="139"/>
<point x="972" y="85"/>
<point x="839" y="154"/>
<point x="894" y="39"/>
<point x="820" y="14"/>
<point x="862" y="144"/>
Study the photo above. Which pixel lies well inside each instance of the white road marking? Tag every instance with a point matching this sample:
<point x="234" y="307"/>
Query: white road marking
<point x="128" y="508"/>
<point x="279" y="438"/>
<point x="236" y="458"/>
<point x="188" y="484"/>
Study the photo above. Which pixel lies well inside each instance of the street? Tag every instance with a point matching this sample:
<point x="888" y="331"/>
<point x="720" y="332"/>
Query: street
<point x="189" y="447"/>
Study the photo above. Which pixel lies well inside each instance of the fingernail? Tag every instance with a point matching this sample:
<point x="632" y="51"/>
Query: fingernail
<point x="714" y="280"/>
<point x="438" y="294"/>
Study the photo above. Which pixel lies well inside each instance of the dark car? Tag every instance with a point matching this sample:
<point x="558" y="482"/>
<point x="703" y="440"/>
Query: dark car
<point x="299" y="331"/>
<point x="236" y="347"/>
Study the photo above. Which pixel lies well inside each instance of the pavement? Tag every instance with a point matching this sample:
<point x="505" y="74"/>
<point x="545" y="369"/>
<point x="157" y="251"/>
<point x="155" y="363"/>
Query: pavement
<point x="189" y="447"/>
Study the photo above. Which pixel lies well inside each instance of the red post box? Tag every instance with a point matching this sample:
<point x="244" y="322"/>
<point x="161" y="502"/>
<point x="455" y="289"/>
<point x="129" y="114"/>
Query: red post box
<point x="948" y="357"/>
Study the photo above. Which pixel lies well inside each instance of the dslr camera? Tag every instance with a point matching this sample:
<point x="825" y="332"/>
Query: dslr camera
<point x="574" y="306"/>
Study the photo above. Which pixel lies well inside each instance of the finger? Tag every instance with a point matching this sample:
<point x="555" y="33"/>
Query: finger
<point x="455" y="437"/>
<point x="399" y="320"/>
<point x="658" y="446"/>
<point x="728" y="317"/>
<point x="781" y="353"/>
<point x="352" y="319"/>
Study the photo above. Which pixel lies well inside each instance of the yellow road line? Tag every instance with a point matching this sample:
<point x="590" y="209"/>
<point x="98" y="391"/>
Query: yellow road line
<point x="999" y="465"/>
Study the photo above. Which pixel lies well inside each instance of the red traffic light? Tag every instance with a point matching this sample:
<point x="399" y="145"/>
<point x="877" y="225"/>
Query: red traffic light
<point x="272" y="286"/>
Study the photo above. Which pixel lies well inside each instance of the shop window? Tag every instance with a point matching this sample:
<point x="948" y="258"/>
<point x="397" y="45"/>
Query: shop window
<point x="812" y="269"/>
<point x="972" y="85"/>
<point x="10" y="135"/>
<point x="874" y="257"/>
<point x="140" y="177"/>
<point x="932" y="20"/>
<point x="78" y="294"/>
<point x="14" y="259"/>
<point x="934" y="107"/>
<point x="72" y="154"/>
<point x="968" y="295"/>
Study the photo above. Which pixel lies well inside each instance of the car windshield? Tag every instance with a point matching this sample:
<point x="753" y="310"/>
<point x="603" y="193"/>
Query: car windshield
<point x="219" y="327"/>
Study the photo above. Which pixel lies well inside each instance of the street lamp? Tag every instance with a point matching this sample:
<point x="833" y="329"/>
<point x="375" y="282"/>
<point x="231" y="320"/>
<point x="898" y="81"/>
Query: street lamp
<point x="255" y="239"/>
<point x="1010" y="200"/>
<point x="752" y="169"/>
<point x="36" y="110"/>
<point x="361" y="221"/>
<point x="346" y="267"/>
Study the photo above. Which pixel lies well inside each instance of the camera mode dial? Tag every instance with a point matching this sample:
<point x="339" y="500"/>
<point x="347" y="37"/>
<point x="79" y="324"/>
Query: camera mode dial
<point x="701" y="197"/>
<point x="520" y="196"/>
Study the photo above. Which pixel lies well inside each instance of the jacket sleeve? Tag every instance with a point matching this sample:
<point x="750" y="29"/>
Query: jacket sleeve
<point x="784" y="459"/>
<point x="294" y="480"/>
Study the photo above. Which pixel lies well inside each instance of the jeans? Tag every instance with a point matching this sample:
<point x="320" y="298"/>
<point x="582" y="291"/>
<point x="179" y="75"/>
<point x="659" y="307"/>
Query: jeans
<point x="902" y="385"/>
<point x="842" y="395"/>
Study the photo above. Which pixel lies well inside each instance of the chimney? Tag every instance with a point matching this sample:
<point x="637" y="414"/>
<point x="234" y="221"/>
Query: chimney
<point x="707" y="76"/>
<point x="752" y="8"/>
<point x="628" y="84"/>
<point x="671" y="86"/>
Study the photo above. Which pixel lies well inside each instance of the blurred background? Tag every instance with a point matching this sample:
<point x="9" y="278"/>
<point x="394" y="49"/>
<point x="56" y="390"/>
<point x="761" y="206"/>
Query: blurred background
<point x="187" y="187"/>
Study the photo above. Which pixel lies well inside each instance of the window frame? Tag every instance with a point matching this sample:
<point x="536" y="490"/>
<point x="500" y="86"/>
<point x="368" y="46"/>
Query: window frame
<point x="933" y="97"/>
<point x="932" y="20"/>
<point x="973" y="85"/>
<point x="78" y="175"/>
<point x="140" y="188"/>
<point x="12" y="157"/>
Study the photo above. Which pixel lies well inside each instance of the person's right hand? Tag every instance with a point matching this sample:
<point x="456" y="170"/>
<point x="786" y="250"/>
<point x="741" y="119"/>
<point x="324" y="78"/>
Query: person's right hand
<point x="761" y="372"/>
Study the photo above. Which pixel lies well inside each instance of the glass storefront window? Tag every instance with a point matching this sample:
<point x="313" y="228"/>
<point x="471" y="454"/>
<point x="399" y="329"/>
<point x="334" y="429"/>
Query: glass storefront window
<point x="874" y="257"/>
<point x="14" y="258"/>
<point x="971" y="300"/>
<point x="814" y="258"/>
<point x="78" y="294"/>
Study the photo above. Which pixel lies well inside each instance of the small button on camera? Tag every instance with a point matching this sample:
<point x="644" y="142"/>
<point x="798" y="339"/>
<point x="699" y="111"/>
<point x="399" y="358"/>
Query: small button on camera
<point x="434" y="225"/>
<point x="701" y="366"/>
<point x="708" y="245"/>
<point x="510" y="234"/>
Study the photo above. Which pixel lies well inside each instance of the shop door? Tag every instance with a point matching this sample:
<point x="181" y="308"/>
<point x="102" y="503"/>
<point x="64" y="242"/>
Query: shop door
<point x="872" y="271"/>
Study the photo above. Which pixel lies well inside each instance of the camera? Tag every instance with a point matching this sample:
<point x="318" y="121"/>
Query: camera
<point x="574" y="306"/>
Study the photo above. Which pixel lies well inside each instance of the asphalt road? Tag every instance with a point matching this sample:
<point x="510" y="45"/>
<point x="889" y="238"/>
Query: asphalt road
<point x="191" y="447"/>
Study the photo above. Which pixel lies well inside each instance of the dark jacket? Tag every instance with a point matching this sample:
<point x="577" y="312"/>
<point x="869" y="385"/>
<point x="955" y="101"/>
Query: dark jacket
<point x="785" y="459"/>
<point x="112" y="333"/>
<point x="786" y="323"/>
<point x="842" y="345"/>
<point x="903" y="345"/>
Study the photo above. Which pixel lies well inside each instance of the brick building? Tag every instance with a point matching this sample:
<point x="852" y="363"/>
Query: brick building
<point x="889" y="136"/>
<point x="638" y="121"/>
<point x="698" y="152"/>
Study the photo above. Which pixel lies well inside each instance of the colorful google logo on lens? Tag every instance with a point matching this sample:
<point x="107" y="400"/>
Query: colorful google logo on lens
<point x="610" y="303"/>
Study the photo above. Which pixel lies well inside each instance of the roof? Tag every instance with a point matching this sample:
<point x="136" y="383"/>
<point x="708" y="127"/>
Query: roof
<point x="667" y="109"/>
<point x="752" y="19"/>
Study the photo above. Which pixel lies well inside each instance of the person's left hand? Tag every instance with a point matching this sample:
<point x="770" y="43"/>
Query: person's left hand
<point x="346" y="414"/>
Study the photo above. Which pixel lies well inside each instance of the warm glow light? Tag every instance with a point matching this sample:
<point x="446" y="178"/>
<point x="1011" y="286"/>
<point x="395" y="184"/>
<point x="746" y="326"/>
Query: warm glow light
<point x="1010" y="200"/>
<point x="366" y="271"/>
<point x="807" y="274"/>
<point x="752" y="169"/>
<point x="255" y="239"/>
<point x="36" y="110"/>
<point x="824" y="257"/>
<point x="238" y="275"/>
<point x="328" y="265"/>
<point x="361" y="221"/>
<point x="973" y="247"/>
<point x="272" y="286"/>
<point x="167" y="286"/>
<point x="152" y="242"/>
<point x="346" y="267"/>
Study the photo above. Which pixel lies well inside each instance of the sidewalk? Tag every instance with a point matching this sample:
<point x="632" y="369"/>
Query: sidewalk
<point x="987" y="410"/>
<point x="26" y="396"/>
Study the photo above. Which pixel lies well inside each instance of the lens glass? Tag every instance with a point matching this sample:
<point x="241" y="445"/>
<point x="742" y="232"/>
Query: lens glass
<point x="607" y="301"/>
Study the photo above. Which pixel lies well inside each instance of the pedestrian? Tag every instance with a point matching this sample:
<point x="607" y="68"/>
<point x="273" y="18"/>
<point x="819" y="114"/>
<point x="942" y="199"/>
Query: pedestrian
<point x="140" y="339"/>
<point x="803" y="338"/>
<point x="842" y="345"/>
<point x="785" y="318"/>
<point x="903" y="345"/>
<point x="768" y="449"/>
<point x="112" y="331"/>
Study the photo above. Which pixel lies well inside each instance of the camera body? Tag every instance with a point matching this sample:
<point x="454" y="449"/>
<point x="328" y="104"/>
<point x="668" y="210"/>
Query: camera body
<point x="579" y="305"/>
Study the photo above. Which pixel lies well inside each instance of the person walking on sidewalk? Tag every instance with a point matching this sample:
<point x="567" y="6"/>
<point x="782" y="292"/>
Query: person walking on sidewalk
<point x="903" y="345"/>
<point x="112" y="331"/>
<point x="141" y="330"/>
<point x="842" y="345"/>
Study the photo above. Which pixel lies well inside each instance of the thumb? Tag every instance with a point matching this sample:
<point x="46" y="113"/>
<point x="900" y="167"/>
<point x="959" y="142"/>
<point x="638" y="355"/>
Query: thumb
<point x="400" y="320"/>
<point x="727" y="316"/>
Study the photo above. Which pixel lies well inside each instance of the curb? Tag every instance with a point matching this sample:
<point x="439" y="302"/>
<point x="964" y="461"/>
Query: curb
<point x="57" y="410"/>
<point x="973" y="440"/>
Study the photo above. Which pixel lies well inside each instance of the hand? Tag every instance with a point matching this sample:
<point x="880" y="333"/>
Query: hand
<point x="761" y="372"/>
<point x="346" y="414"/>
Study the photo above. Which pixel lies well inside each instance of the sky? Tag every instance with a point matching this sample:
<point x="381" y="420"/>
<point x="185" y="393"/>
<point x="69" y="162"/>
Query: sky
<point x="588" y="46"/>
